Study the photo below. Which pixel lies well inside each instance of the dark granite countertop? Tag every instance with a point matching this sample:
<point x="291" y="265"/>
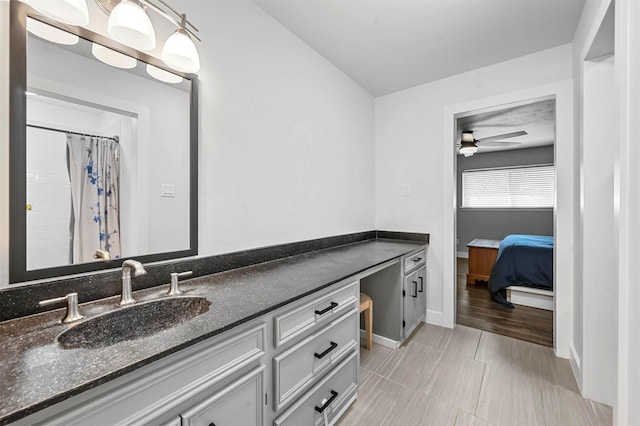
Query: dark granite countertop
<point x="36" y="373"/>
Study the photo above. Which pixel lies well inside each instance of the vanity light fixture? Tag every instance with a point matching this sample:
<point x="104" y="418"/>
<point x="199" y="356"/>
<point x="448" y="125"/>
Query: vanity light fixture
<point x="72" y="12"/>
<point x="179" y="52"/>
<point x="50" y="33"/>
<point x="162" y="75"/>
<point x="113" y="58"/>
<point x="129" y="24"/>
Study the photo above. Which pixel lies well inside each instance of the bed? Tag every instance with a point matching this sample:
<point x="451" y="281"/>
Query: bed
<point x="525" y="261"/>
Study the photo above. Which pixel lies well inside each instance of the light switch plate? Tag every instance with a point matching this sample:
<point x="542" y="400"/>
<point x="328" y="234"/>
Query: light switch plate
<point x="405" y="190"/>
<point x="167" y="190"/>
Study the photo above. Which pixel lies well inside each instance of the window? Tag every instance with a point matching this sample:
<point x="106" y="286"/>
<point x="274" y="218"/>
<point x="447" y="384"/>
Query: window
<point x="509" y="187"/>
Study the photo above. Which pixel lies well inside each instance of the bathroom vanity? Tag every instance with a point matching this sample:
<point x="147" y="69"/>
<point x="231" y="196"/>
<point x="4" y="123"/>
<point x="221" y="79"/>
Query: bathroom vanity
<point x="278" y="345"/>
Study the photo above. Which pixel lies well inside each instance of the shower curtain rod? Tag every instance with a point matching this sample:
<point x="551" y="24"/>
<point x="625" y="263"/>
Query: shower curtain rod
<point x="114" y="138"/>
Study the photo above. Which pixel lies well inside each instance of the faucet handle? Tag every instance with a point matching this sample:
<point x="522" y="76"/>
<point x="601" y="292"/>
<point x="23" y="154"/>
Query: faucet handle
<point x="173" y="287"/>
<point x="73" y="312"/>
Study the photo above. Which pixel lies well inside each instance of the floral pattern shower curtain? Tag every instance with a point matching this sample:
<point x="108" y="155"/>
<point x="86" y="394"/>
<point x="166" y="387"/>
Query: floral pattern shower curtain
<point x="94" y="170"/>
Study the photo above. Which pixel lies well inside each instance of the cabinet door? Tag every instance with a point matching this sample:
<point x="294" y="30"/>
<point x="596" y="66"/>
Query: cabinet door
<point x="410" y="303"/>
<point x="421" y="301"/>
<point x="238" y="404"/>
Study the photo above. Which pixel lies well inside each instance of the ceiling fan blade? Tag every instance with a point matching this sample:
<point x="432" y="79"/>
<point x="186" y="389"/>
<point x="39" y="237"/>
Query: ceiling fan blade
<point x="503" y="136"/>
<point x="500" y="144"/>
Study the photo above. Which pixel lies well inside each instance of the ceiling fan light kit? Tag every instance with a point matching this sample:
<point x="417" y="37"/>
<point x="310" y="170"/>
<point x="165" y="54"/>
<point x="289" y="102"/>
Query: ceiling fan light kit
<point x="469" y="144"/>
<point x="468" y="148"/>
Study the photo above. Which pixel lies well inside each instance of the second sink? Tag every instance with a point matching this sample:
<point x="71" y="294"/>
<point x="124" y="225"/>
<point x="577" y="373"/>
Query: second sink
<point x="132" y="322"/>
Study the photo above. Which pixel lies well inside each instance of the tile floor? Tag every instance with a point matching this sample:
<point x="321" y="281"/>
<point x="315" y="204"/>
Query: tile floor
<point x="468" y="377"/>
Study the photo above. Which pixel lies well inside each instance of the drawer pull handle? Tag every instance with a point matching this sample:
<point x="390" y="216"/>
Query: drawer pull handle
<point x="334" y="395"/>
<point x="327" y="309"/>
<point x="415" y="289"/>
<point x="323" y="354"/>
<point x="417" y="259"/>
<point x="421" y="284"/>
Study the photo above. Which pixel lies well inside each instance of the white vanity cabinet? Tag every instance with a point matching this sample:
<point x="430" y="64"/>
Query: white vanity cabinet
<point x="414" y="291"/>
<point x="271" y="370"/>
<point x="315" y="373"/>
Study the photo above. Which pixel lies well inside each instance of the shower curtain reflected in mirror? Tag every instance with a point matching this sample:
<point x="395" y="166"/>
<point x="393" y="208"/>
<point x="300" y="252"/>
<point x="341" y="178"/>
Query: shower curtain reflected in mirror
<point x="94" y="170"/>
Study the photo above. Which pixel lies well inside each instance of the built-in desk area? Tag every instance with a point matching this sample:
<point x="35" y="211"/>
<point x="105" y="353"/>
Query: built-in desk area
<point x="399" y="291"/>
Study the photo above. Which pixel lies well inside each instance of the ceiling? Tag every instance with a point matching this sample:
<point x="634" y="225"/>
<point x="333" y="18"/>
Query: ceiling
<point x="390" y="45"/>
<point x="537" y="119"/>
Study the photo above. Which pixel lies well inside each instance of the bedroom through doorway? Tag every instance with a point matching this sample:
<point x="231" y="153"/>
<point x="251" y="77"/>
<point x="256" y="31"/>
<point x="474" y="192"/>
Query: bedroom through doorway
<point x="505" y="183"/>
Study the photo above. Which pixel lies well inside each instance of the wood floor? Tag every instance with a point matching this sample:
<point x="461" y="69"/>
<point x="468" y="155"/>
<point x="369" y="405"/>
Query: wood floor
<point x="467" y="376"/>
<point x="476" y="309"/>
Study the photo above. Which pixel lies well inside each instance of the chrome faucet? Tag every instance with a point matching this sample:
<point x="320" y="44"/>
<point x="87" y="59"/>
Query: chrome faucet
<point x="128" y="266"/>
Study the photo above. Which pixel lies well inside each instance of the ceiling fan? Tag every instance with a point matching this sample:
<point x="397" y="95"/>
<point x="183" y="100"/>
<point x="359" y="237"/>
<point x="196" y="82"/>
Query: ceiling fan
<point x="469" y="145"/>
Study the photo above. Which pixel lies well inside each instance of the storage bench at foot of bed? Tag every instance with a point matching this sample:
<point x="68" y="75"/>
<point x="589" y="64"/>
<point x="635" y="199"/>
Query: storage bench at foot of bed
<point x="528" y="296"/>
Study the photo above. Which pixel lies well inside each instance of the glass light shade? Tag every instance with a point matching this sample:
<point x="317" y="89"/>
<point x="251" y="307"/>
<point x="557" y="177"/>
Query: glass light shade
<point x="50" y="33"/>
<point x="162" y="75"/>
<point x="468" y="148"/>
<point x="113" y="58"/>
<point x="129" y="24"/>
<point x="72" y="12"/>
<point x="180" y="53"/>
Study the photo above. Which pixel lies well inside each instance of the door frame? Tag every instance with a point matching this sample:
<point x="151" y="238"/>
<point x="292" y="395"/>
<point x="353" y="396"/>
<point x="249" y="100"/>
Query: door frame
<point x="563" y="212"/>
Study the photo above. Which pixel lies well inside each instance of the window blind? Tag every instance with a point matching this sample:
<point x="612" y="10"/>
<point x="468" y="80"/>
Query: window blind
<point x="512" y="187"/>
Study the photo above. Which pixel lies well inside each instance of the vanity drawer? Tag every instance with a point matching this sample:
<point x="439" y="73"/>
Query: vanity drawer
<point x="332" y="395"/>
<point x="324" y="307"/>
<point x="304" y="363"/>
<point x="414" y="260"/>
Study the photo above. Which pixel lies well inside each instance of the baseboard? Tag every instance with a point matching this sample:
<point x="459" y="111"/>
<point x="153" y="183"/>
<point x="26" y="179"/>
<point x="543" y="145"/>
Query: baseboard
<point x="574" y="362"/>
<point x="462" y="254"/>
<point x="382" y="341"/>
<point x="436" y="318"/>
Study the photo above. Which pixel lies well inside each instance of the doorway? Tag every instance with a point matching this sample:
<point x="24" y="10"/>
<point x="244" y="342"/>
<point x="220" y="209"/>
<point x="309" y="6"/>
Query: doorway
<point x="505" y="184"/>
<point x="563" y="212"/>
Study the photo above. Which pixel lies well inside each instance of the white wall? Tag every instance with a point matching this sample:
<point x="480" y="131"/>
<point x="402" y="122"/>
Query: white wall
<point x="599" y="274"/>
<point x="593" y="355"/>
<point x="286" y="139"/>
<point x="411" y="145"/>
<point x="627" y="48"/>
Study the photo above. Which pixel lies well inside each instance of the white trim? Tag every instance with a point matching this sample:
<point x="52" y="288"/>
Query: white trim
<point x="562" y="92"/>
<point x="574" y="362"/>
<point x="462" y="254"/>
<point x="381" y="340"/>
<point x="438" y="318"/>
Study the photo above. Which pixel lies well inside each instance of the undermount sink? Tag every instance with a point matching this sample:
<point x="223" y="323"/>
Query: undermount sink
<point x="132" y="322"/>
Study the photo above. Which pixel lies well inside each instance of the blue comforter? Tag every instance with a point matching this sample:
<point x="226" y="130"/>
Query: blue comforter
<point x="523" y="260"/>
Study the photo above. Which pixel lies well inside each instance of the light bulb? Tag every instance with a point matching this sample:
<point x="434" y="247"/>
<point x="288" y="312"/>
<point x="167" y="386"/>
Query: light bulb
<point x="113" y="58"/>
<point x="72" y="12"/>
<point x="129" y="24"/>
<point x="162" y="75"/>
<point x="50" y="33"/>
<point x="180" y="53"/>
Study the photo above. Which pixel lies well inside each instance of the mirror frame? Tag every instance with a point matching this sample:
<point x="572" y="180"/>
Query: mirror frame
<point x="18" y="272"/>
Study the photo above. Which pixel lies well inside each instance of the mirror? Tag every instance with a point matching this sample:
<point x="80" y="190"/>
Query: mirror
<point x="103" y="152"/>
